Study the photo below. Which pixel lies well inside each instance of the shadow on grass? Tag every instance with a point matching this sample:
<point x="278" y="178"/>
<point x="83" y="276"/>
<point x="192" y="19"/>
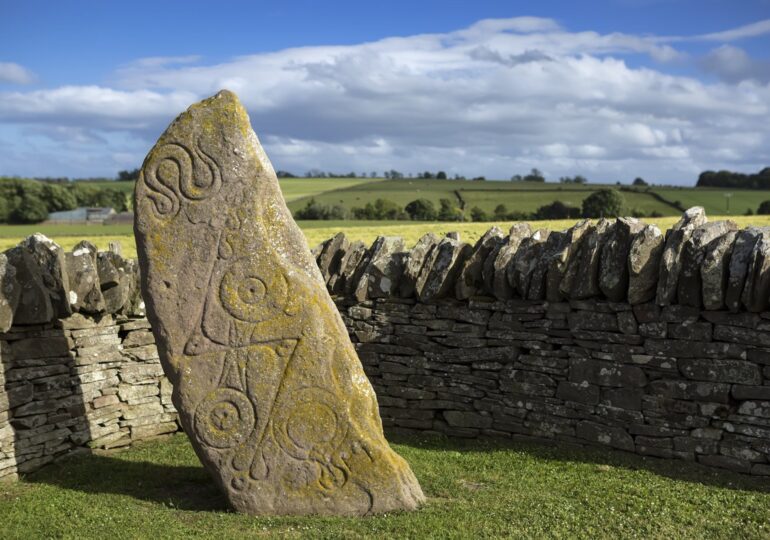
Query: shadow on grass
<point x="175" y="486"/>
<point x="191" y="488"/>
<point x="679" y="470"/>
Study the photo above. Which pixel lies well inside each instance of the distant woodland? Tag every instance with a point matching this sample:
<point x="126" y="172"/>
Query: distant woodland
<point x="729" y="179"/>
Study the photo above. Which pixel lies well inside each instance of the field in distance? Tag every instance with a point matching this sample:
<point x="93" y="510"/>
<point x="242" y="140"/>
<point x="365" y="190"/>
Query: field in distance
<point x="316" y="231"/>
<point x="520" y="196"/>
<point x="516" y="196"/>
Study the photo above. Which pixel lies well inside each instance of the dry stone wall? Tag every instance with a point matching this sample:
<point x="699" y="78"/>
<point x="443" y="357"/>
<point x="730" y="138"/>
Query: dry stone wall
<point x="78" y="363"/>
<point x="610" y="334"/>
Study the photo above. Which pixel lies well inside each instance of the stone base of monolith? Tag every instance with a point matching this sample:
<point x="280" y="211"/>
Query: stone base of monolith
<point x="267" y="383"/>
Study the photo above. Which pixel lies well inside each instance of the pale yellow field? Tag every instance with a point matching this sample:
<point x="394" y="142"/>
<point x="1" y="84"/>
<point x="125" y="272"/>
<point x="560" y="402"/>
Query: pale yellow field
<point x="469" y="232"/>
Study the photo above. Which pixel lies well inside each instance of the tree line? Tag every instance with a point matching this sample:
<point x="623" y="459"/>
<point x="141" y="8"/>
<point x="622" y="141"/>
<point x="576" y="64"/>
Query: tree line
<point x="601" y="203"/>
<point x="736" y="180"/>
<point x="30" y="201"/>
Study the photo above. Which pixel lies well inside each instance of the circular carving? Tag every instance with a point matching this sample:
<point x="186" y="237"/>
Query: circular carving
<point x="225" y="418"/>
<point x="251" y="292"/>
<point x="310" y="424"/>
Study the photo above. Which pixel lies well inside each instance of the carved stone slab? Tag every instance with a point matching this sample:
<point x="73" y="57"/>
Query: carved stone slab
<point x="267" y="383"/>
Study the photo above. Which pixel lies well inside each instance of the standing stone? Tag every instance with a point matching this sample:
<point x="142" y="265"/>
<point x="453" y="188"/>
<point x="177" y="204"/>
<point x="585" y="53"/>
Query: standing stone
<point x="471" y="279"/>
<point x="415" y="261"/>
<point x="670" y="262"/>
<point x="9" y="293"/>
<point x="739" y="266"/>
<point x="502" y="288"/>
<point x="613" y="268"/>
<point x="714" y="270"/>
<point x="41" y="274"/>
<point x="643" y="264"/>
<point x="85" y="293"/>
<point x="757" y="287"/>
<point x="689" y="287"/>
<point x="439" y="273"/>
<point x="381" y="276"/>
<point x="266" y="381"/>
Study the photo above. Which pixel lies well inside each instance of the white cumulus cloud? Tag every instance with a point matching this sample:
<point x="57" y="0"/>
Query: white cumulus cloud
<point x="494" y="99"/>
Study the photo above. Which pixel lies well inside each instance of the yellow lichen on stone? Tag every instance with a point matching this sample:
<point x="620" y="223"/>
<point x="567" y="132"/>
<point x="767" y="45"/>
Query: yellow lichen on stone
<point x="266" y="381"/>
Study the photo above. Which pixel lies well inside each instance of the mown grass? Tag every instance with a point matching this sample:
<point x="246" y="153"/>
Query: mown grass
<point x="475" y="490"/>
<point x="315" y="231"/>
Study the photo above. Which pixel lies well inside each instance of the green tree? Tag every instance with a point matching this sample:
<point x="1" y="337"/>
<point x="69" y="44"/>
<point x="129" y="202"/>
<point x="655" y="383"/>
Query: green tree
<point x="128" y="176"/>
<point x="449" y="212"/>
<point x="478" y="214"/>
<point x="31" y="210"/>
<point x="501" y="212"/>
<point x="58" y="198"/>
<point x="441" y="175"/>
<point x="557" y="210"/>
<point x="764" y="208"/>
<point x="638" y="181"/>
<point x="603" y="203"/>
<point x="421" y="210"/>
<point x="534" y="176"/>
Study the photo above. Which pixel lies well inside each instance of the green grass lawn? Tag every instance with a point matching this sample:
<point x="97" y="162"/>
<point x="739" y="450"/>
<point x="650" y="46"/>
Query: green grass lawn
<point x="474" y="490"/>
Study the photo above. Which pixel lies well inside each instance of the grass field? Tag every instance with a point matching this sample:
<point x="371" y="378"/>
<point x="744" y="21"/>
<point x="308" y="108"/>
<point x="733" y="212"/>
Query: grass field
<point x="529" y="196"/>
<point x="474" y="490"/>
<point x="293" y="188"/>
<point x="315" y="231"/>
<point x="519" y="196"/>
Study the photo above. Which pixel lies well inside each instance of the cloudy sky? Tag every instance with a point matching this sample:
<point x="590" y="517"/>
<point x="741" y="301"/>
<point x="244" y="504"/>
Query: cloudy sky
<point x="609" y="89"/>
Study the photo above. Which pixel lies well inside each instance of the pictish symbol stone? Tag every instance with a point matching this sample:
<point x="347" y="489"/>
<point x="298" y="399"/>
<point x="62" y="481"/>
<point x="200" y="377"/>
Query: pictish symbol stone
<point x="266" y="381"/>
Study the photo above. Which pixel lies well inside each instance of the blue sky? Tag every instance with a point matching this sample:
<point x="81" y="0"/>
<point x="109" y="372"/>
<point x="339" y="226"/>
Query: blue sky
<point x="608" y="89"/>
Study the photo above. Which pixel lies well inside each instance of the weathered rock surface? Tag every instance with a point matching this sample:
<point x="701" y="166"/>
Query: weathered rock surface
<point x="470" y="282"/>
<point x="613" y="267"/>
<point x="581" y="279"/>
<point x="689" y="287"/>
<point x="267" y="384"/>
<point x="381" y="276"/>
<point x="115" y="280"/>
<point x="441" y="269"/>
<point x="415" y="261"/>
<point x="714" y="270"/>
<point x="559" y="258"/>
<point x="757" y="287"/>
<point x="331" y="254"/>
<point x="85" y="291"/>
<point x="643" y="264"/>
<point x="40" y="272"/>
<point x="9" y="293"/>
<point x="740" y="259"/>
<point x="524" y="265"/>
<point x="502" y="259"/>
<point x="671" y="260"/>
<point x="339" y="283"/>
